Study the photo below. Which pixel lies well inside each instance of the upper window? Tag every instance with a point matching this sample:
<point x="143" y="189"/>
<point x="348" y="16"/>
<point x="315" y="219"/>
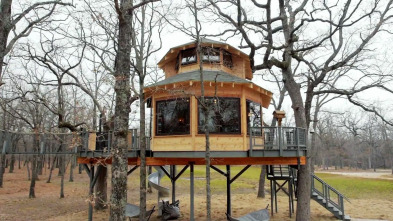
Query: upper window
<point x="254" y="115"/>
<point x="188" y="56"/>
<point x="173" y="117"/>
<point x="210" y="55"/>
<point x="227" y="59"/>
<point x="223" y="116"/>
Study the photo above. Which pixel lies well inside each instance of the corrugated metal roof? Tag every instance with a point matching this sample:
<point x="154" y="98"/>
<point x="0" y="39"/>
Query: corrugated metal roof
<point x="208" y="75"/>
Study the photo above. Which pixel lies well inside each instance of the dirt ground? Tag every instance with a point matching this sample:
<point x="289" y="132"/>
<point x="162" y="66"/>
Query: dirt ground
<point x="15" y="204"/>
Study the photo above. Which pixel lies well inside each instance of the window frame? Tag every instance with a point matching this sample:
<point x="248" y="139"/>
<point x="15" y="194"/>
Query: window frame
<point x="199" y="126"/>
<point x="214" y="50"/>
<point x="188" y="62"/>
<point x="224" y="54"/>
<point x="188" y="132"/>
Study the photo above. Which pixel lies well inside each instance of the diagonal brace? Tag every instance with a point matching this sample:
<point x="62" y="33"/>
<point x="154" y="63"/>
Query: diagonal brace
<point x="181" y="172"/>
<point x="132" y="170"/>
<point x="240" y="173"/>
<point x="218" y="170"/>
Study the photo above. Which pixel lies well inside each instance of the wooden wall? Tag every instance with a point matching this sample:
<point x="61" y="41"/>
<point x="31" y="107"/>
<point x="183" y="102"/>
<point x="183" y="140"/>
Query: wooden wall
<point x="195" y="141"/>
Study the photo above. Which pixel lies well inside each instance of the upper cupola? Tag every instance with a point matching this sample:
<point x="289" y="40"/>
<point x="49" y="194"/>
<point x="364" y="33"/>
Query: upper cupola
<point x="215" y="56"/>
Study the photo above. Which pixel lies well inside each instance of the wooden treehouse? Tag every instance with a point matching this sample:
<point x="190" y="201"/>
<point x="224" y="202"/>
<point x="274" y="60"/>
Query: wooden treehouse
<point x="235" y="109"/>
<point x="234" y="120"/>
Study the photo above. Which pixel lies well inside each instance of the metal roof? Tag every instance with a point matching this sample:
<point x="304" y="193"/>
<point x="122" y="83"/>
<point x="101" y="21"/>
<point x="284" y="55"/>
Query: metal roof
<point x="208" y="75"/>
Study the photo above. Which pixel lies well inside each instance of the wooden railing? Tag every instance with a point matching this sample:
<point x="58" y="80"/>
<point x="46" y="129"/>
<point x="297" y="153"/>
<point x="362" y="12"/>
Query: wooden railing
<point x="277" y="138"/>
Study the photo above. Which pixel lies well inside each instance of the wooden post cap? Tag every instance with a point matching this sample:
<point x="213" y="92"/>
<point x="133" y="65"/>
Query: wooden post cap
<point x="279" y="115"/>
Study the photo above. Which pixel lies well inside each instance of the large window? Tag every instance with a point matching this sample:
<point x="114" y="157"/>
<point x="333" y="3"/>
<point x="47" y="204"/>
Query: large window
<point x="173" y="117"/>
<point x="223" y="116"/>
<point x="254" y="115"/>
<point x="210" y="55"/>
<point x="188" y="56"/>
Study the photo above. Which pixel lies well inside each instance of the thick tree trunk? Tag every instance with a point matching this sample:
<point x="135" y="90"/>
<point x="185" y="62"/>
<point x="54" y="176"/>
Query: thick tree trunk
<point x="304" y="179"/>
<point x="142" y="140"/>
<point x="122" y="110"/>
<point x="262" y="179"/>
<point x="101" y="199"/>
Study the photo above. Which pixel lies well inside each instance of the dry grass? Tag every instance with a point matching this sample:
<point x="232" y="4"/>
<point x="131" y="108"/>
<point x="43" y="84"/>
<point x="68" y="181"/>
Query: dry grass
<point x="15" y="204"/>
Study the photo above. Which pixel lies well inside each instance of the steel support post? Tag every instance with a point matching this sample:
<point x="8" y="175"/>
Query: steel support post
<point x="228" y="175"/>
<point x="192" y="191"/>
<point x="173" y="181"/>
<point x="91" y="187"/>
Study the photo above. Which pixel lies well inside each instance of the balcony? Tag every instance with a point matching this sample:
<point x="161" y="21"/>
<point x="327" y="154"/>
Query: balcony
<point x="281" y="139"/>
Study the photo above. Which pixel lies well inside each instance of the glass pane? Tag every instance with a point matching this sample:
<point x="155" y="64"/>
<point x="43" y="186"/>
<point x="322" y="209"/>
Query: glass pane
<point x="211" y="55"/>
<point x="223" y="116"/>
<point x="254" y="118"/>
<point x="188" y="56"/>
<point x="173" y="117"/>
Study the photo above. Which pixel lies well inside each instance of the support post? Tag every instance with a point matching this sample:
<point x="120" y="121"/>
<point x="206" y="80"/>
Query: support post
<point x="228" y="175"/>
<point x="271" y="197"/>
<point x="91" y="187"/>
<point x="192" y="191"/>
<point x="173" y="181"/>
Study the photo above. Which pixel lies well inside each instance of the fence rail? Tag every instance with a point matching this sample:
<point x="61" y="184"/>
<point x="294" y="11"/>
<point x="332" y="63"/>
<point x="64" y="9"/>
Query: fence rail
<point x="277" y="138"/>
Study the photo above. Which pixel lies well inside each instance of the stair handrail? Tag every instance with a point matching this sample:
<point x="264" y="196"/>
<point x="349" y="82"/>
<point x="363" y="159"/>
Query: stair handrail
<point x="326" y="188"/>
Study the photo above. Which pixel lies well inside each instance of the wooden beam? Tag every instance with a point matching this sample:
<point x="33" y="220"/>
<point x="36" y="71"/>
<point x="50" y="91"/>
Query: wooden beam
<point x="161" y="161"/>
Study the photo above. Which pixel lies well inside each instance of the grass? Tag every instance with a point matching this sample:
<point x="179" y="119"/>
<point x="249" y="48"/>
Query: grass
<point x="351" y="187"/>
<point x="360" y="188"/>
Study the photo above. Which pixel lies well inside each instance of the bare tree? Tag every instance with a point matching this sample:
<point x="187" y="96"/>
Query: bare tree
<point x="25" y="20"/>
<point x="282" y="30"/>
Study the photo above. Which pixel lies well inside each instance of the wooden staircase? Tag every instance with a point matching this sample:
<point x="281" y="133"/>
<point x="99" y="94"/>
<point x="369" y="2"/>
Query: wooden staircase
<point x="328" y="197"/>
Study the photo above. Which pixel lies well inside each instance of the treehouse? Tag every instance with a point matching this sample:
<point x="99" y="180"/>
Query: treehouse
<point x="233" y="117"/>
<point x="234" y="104"/>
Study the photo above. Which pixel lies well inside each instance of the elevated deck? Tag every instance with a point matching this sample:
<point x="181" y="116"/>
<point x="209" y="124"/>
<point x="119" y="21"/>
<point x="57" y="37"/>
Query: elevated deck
<point x="267" y="146"/>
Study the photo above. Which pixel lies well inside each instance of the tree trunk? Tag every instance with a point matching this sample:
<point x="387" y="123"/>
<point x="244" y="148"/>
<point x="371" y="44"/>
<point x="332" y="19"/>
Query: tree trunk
<point x="122" y="110"/>
<point x="2" y="169"/>
<point x="142" y="140"/>
<point x="34" y="166"/>
<point x="12" y="163"/>
<point x="262" y="181"/>
<point x="5" y="21"/>
<point x="101" y="198"/>
<point x="27" y="162"/>
<point x="51" y="169"/>
<point x="304" y="179"/>
<point x="73" y="159"/>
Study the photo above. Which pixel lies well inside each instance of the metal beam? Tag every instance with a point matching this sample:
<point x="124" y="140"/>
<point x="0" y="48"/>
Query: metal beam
<point x="181" y="172"/>
<point x="132" y="170"/>
<point x="218" y="170"/>
<point x="240" y="173"/>
<point x="191" y="191"/>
